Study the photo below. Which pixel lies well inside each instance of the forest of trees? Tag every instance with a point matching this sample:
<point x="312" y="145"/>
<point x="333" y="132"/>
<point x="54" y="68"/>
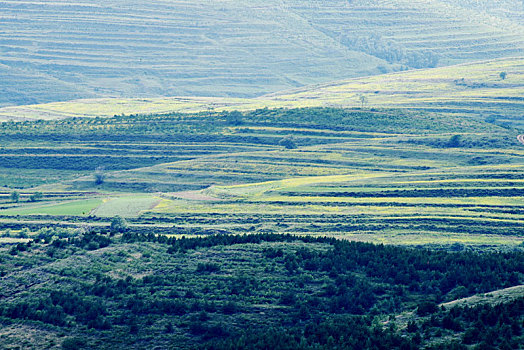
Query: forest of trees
<point x="332" y="294"/>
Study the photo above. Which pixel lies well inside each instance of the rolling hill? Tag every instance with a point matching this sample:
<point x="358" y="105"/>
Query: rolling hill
<point x="375" y="202"/>
<point x="472" y="89"/>
<point x="57" y="51"/>
<point x="390" y="176"/>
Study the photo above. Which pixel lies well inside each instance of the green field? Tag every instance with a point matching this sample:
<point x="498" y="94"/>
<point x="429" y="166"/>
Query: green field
<point x="128" y="206"/>
<point x="72" y="208"/>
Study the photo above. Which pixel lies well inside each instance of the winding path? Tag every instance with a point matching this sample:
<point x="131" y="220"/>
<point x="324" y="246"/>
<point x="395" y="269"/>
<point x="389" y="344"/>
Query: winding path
<point x="521" y="138"/>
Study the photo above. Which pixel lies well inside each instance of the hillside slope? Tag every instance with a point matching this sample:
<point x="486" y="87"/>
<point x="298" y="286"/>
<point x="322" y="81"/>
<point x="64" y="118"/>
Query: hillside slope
<point x="489" y="88"/>
<point x="468" y="89"/>
<point x="382" y="176"/>
<point x="56" y="51"/>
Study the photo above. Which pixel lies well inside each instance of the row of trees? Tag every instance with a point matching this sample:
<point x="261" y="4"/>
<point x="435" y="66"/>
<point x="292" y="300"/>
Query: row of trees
<point x="33" y="197"/>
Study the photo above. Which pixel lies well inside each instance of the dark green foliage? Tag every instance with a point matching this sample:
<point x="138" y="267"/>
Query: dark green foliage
<point x="207" y="267"/>
<point x="288" y="142"/>
<point x="490" y="326"/>
<point x="465" y="141"/>
<point x="14" y="196"/>
<point x="344" y="332"/>
<point x="414" y="193"/>
<point x="390" y="50"/>
<point x="454" y="141"/>
<point x="234" y="118"/>
<point x="35" y="197"/>
<point x="229" y="308"/>
<point x="297" y="292"/>
<point x="118" y="224"/>
<point x="426" y="308"/>
<point x="74" y="343"/>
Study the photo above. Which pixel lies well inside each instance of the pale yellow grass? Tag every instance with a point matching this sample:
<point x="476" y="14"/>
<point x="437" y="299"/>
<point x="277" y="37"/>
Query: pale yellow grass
<point x="257" y="189"/>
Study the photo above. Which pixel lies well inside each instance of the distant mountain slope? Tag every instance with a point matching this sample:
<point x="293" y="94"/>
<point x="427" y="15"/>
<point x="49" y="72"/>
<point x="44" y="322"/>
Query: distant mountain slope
<point x="56" y="50"/>
<point x="491" y="89"/>
<point x="23" y="86"/>
<point x="476" y="89"/>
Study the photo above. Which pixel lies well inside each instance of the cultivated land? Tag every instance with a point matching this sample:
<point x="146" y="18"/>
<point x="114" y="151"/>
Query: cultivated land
<point x="247" y="230"/>
<point x="58" y="51"/>
<point x="385" y="176"/>
<point x="372" y="213"/>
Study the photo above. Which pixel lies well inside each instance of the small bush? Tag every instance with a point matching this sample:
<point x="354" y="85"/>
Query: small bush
<point x="74" y="343"/>
<point x="426" y="308"/>
<point x="207" y="267"/>
<point x="15" y="196"/>
<point x="35" y="197"/>
<point x="288" y="142"/>
<point x="118" y="224"/>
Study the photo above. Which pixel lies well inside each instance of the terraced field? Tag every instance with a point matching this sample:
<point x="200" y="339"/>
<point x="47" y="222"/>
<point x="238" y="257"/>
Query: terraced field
<point x="475" y="89"/>
<point x="387" y="176"/>
<point x="57" y="51"/>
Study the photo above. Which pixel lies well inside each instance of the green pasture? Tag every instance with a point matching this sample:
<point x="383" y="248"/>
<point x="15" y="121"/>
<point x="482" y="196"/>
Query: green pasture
<point x="435" y="239"/>
<point x="73" y="208"/>
<point x="385" y="175"/>
<point x="125" y="206"/>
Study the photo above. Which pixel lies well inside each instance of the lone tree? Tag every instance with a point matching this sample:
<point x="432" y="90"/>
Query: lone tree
<point x="288" y="142"/>
<point x="363" y="100"/>
<point x="100" y="175"/>
<point x="234" y="118"/>
<point x="454" y="141"/>
<point x="36" y="197"/>
<point x="502" y="75"/>
<point x="15" y="196"/>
